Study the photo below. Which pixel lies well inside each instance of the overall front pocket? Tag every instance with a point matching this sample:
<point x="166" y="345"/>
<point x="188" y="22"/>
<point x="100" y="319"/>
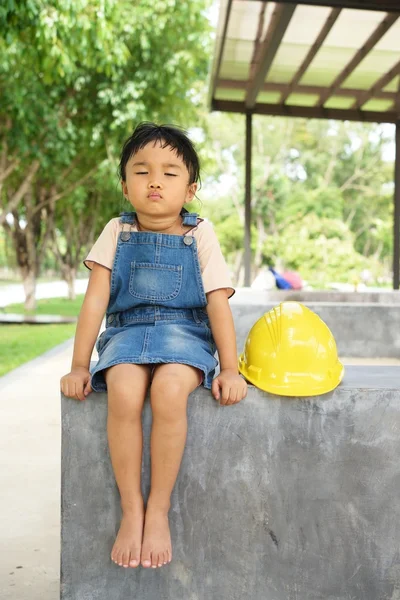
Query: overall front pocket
<point x="155" y="282"/>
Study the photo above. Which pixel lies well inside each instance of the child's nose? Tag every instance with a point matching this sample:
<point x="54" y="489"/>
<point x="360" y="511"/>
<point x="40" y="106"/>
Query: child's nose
<point x="154" y="184"/>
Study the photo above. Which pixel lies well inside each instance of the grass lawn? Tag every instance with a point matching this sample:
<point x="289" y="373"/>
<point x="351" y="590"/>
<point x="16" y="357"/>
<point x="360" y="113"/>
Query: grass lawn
<point x="51" y="306"/>
<point x="21" y="343"/>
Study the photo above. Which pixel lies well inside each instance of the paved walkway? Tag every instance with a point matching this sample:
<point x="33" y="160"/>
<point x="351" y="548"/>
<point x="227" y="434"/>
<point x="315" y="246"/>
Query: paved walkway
<point x="15" y="291"/>
<point x="30" y="445"/>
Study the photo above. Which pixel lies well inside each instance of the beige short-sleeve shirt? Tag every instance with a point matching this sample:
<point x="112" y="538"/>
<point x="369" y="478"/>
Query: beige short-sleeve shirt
<point x="214" y="270"/>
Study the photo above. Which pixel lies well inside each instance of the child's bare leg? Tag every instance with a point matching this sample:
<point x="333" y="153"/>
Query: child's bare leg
<point x="171" y="386"/>
<point x="127" y="385"/>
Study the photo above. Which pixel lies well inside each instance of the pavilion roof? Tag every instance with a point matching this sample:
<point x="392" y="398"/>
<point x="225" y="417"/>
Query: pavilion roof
<point x="337" y="59"/>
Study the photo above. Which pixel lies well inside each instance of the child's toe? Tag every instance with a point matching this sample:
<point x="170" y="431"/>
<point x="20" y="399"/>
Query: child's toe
<point x="134" y="561"/>
<point x="145" y="559"/>
<point x="114" y="556"/>
<point x="125" y="559"/>
<point x="154" y="559"/>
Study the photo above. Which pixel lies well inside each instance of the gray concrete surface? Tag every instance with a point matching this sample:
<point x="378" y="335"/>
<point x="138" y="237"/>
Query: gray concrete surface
<point x="250" y="296"/>
<point x="360" y="330"/>
<point x="30" y="474"/>
<point x="276" y="499"/>
<point x="15" y="293"/>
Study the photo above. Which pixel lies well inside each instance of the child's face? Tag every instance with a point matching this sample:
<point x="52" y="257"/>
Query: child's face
<point x="157" y="182"/>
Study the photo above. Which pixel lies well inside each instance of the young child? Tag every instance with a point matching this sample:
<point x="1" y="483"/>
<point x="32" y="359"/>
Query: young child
<point x="159" y="275"/>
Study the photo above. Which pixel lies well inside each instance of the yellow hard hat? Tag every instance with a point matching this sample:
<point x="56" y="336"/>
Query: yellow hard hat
<point x="290" y="351"/>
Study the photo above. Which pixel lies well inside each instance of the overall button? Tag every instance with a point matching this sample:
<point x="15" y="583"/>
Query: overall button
<point x="125" y="236"/>
<point x="188" y="241"/>
<point x="111" y="318"/>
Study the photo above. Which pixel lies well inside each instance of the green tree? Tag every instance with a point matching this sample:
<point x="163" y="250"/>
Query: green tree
<point x="75" y="79"/>
<point x="331" y="170"/>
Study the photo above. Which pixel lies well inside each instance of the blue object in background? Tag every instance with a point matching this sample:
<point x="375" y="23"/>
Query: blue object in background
<point x="281" y="282"/>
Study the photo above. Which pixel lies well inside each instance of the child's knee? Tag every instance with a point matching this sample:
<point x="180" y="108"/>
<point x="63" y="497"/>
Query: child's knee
<point x="168" y="398"/>
<point x="124" y="407"/>
<point x="126" y="391"/>
<point x="121" y="377"/>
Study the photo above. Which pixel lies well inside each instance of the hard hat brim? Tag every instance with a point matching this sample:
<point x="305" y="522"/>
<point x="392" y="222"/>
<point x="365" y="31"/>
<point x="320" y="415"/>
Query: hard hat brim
<point x="294" y="389"/>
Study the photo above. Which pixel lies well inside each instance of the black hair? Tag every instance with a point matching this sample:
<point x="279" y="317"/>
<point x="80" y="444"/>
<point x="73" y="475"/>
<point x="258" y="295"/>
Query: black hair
<point x="169" y="136"/>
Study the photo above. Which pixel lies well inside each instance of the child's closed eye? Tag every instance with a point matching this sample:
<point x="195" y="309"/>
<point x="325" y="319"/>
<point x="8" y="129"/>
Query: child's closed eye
<point x="146" y="173"/>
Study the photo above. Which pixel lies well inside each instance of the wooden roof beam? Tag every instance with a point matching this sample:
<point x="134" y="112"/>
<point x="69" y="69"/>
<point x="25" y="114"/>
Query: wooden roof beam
<point x="222" y="46"/>
<point x="285" y="89"/>
<point x="329" y="23"/>
<point x="373" y="39"/>
<point x="308" y="112"/>
<point x="379" y="5"/>
<point x="280" y="20"/>
<point x="257" y="41"/>
<point x="378" y="86"/>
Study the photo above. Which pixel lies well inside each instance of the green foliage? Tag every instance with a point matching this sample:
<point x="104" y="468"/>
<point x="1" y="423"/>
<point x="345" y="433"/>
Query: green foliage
<point x="325" y="202"/>
<point x="77" y="73"/>
<point x="320" y="249"/>
<point x="230" y="233"/>
<point x="320" y="200"/>
<point x="75" y="78"/>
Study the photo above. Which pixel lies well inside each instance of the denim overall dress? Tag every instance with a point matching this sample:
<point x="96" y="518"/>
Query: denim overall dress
<point x="156" y="309"/>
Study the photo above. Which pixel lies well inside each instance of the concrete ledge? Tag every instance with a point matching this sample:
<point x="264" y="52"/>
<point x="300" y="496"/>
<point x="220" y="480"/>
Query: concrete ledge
<point x="360" y="330"/>
<point x="276" y="499"/>
<point x="248" y="295"/>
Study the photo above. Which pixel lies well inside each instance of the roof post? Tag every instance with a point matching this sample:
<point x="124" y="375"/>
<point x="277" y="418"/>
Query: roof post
<point x="396" y="212"/>
<point x="279" y="22"/>
<point x="247" y="203"/>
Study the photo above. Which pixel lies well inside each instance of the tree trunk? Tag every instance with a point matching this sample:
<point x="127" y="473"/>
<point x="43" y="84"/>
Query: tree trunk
<point x="29" y="242"/>
<point x="29" y="280"/>
<point x="70" y="276"/>
<point x="21" y="192"/>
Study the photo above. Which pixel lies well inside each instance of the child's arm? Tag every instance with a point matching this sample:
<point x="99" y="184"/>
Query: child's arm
<point x="76" y="384"/>
<point x="233" y="387"/>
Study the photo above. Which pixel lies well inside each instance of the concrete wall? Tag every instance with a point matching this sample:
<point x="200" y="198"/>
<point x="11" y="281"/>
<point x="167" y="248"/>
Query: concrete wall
<point x="246" y="295"/>
<point x="276" y="499"/>
<point x="360" y="330"/>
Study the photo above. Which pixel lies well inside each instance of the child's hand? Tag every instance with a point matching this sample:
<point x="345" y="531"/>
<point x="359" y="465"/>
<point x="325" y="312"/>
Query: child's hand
<point x="229" y="386"/>
<point x="76" y="384"/>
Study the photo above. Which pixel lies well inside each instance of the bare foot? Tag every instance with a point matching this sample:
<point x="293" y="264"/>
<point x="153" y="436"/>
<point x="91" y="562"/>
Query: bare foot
<point x="127" y="546"/>
<point x="156" y="547"/>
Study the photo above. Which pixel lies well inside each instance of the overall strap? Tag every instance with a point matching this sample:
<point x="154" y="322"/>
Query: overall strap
<point x="189" y="218"/>
<point x="127" y="217"/>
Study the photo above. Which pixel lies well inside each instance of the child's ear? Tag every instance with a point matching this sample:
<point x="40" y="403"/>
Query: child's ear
<point x="191" y="192"/>
<point x="124" y="189"/>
